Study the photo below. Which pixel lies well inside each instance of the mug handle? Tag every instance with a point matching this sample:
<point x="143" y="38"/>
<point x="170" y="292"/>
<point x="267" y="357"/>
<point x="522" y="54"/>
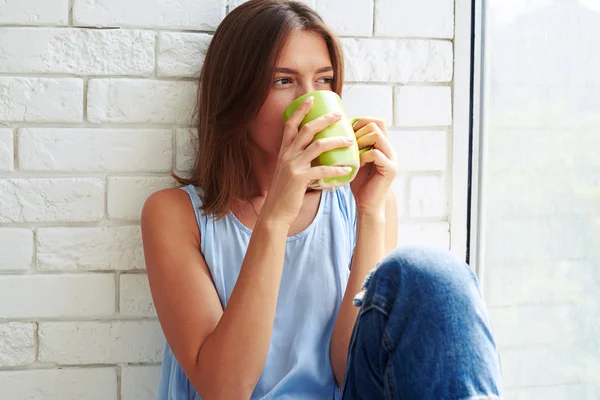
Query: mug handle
<point x="360" y="151"/>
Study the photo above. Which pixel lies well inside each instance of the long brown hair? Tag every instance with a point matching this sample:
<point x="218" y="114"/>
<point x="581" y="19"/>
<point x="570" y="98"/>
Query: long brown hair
<point x="234" y="83"/>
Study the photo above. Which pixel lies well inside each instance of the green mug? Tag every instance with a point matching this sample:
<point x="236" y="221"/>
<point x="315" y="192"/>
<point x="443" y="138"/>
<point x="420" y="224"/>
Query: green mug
<point x="325" y="102"/>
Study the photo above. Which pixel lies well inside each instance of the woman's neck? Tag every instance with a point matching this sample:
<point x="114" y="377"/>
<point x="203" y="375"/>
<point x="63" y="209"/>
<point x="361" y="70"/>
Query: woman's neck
<point x="262" y="166"/>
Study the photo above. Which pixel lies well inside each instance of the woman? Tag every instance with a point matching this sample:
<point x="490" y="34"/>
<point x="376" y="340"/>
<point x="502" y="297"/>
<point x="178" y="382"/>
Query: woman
<point x="254" y="276"/>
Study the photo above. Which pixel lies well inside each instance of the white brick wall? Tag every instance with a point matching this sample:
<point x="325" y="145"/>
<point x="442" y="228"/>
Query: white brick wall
<point x="34" y="12"/>
<point x="6" y="149"/>
<point x="16" y="248"/>
<point x="77" y="51"/>
<point x="77" y="343"/>
<point x="92" y="383"/>
<point x="423" y="19"/>
<point x="41" y="99"/>
<point x="17" y="341"/>
<point x="108" y="248"/>
<point x="92" y="120"/>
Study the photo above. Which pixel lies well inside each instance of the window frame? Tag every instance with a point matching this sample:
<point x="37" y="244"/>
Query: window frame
<point x="466" y="207"/>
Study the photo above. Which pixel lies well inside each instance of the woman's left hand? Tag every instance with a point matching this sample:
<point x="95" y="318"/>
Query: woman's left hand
<point x="378" y="166"/>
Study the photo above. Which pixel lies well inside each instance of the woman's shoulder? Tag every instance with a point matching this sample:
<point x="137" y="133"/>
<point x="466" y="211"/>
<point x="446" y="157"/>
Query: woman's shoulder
<point x="175" y="199"/>
<point x="169" y="210"/>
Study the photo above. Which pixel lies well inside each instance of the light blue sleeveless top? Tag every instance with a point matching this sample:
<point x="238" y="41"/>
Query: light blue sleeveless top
<point x="315" y="274"/>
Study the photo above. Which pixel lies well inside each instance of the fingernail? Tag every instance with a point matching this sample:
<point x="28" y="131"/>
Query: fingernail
<point x="349" y="140"/>
<point x="337" y="114"/>
<point x="346" y="169"/>
<point x="309" y="99"/>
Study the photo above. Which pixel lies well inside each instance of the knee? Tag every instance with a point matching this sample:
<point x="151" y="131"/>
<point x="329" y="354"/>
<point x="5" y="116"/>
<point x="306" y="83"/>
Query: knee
<point x="426" y="274"/>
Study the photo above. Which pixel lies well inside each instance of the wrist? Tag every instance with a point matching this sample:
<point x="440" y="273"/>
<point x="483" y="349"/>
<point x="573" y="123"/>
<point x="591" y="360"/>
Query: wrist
<point x="375" y="214"/>
<point x="270" y="221"/>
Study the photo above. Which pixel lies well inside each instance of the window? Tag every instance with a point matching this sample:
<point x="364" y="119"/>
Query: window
<point x="537" y="236"/>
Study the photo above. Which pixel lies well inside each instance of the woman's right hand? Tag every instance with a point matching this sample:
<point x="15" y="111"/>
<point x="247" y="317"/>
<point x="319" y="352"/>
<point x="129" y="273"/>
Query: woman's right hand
<point x="294" y="172"/>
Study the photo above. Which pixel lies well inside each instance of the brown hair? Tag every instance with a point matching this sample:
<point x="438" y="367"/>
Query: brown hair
<point x="234" y="83"/>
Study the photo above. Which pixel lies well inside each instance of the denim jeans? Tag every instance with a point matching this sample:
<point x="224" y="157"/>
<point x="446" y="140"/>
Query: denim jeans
<point x="423" y="332"/>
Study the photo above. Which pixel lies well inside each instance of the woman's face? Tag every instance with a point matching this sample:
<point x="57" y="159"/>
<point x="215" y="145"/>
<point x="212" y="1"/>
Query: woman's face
<point x="304" y="65"/>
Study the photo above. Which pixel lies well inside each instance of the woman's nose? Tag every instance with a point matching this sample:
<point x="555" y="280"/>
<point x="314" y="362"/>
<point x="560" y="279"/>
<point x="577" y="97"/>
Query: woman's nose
<point x="305" y="88"/>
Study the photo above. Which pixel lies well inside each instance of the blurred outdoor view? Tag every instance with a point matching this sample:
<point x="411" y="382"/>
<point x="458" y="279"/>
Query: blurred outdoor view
<point x="540" y="240"/>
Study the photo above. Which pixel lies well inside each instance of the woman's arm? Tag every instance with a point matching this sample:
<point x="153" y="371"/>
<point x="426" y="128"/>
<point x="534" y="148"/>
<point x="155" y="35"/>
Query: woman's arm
<point x="377" y="235"/>
<point x="222" y="353"/>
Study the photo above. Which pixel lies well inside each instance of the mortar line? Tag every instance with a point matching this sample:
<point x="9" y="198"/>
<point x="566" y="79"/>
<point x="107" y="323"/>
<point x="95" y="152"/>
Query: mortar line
<point x="71" y="4"/>
<point x="119" y="381"/>
<point x="174" y="147"/>
<point x="156" y="49"/>
<point x="34" y="267"/>
<point x="54" y="366"/>
<point x="15" y="149"/>
<point x="374" y="13"/>
<point x="85" y="98"/>
<point x="117" y="292"/>
<point x="36" y="340"/>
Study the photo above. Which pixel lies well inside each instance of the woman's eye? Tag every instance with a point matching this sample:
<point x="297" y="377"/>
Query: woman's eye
<point x="325" y="80"/>
<point x="283" y="81"/>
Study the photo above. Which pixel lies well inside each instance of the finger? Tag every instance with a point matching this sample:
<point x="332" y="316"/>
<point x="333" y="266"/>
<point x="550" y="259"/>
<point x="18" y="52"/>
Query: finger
<point x="383" y="163"/>
<point x="294" y="121"/>
<point x="377" y="140"/>
<point x="323" y="171"/>
<point x="308" y="131"/>
<point x="320" y="146"/>
<point x="367" y="120"/>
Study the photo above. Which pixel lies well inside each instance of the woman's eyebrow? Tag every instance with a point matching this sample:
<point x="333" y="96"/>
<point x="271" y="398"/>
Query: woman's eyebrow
<point x="294" y="72"/>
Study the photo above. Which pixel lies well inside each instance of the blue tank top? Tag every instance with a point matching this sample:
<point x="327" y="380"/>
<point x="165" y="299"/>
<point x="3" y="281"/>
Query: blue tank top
<point x="315" y="273"/>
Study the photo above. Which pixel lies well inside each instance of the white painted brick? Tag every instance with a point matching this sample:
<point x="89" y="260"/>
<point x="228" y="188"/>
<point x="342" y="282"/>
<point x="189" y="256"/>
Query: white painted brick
<point x="141" y="100"/>
<point x="427" y="196"/>
<point x="420" y="150"/>
<point x="347" y="17"/>
<point x="139" y="382"/>
<point x="77" y="51"/>
<point x="50" y="200"/>
<point x="80" y="149"/>
<point x="406" y="18"/>
<point x="90" y="249"/>
<point x="41" y="99"/>
<point x="135" y="297"/>
<point x="174" y="14"/>
<point x="435" y="234"/>
<point x="60" y="384"/>
<point x="101" y="342"/>
<point x="16" y="249"/>
<point x="6" y="150"/>
<point x="397" y="60"/>
<point x="186" y="143"/>
<point x="181" y="53"/>
<point x="423" y="106"/>
<point x="126" y="196"/>
<point x="34" y="12"/>
<point x="369" y="101"/>
<point x="17" y="341"/>
<point x="234" y="3"/>
<point x="81" y="295"/>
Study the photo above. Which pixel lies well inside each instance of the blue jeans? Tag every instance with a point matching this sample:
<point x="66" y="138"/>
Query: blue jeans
<point x="423" y="332"/>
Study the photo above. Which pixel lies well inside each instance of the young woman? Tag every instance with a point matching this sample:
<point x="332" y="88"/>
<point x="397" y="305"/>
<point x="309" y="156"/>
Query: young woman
<point x="254" y="276"/>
